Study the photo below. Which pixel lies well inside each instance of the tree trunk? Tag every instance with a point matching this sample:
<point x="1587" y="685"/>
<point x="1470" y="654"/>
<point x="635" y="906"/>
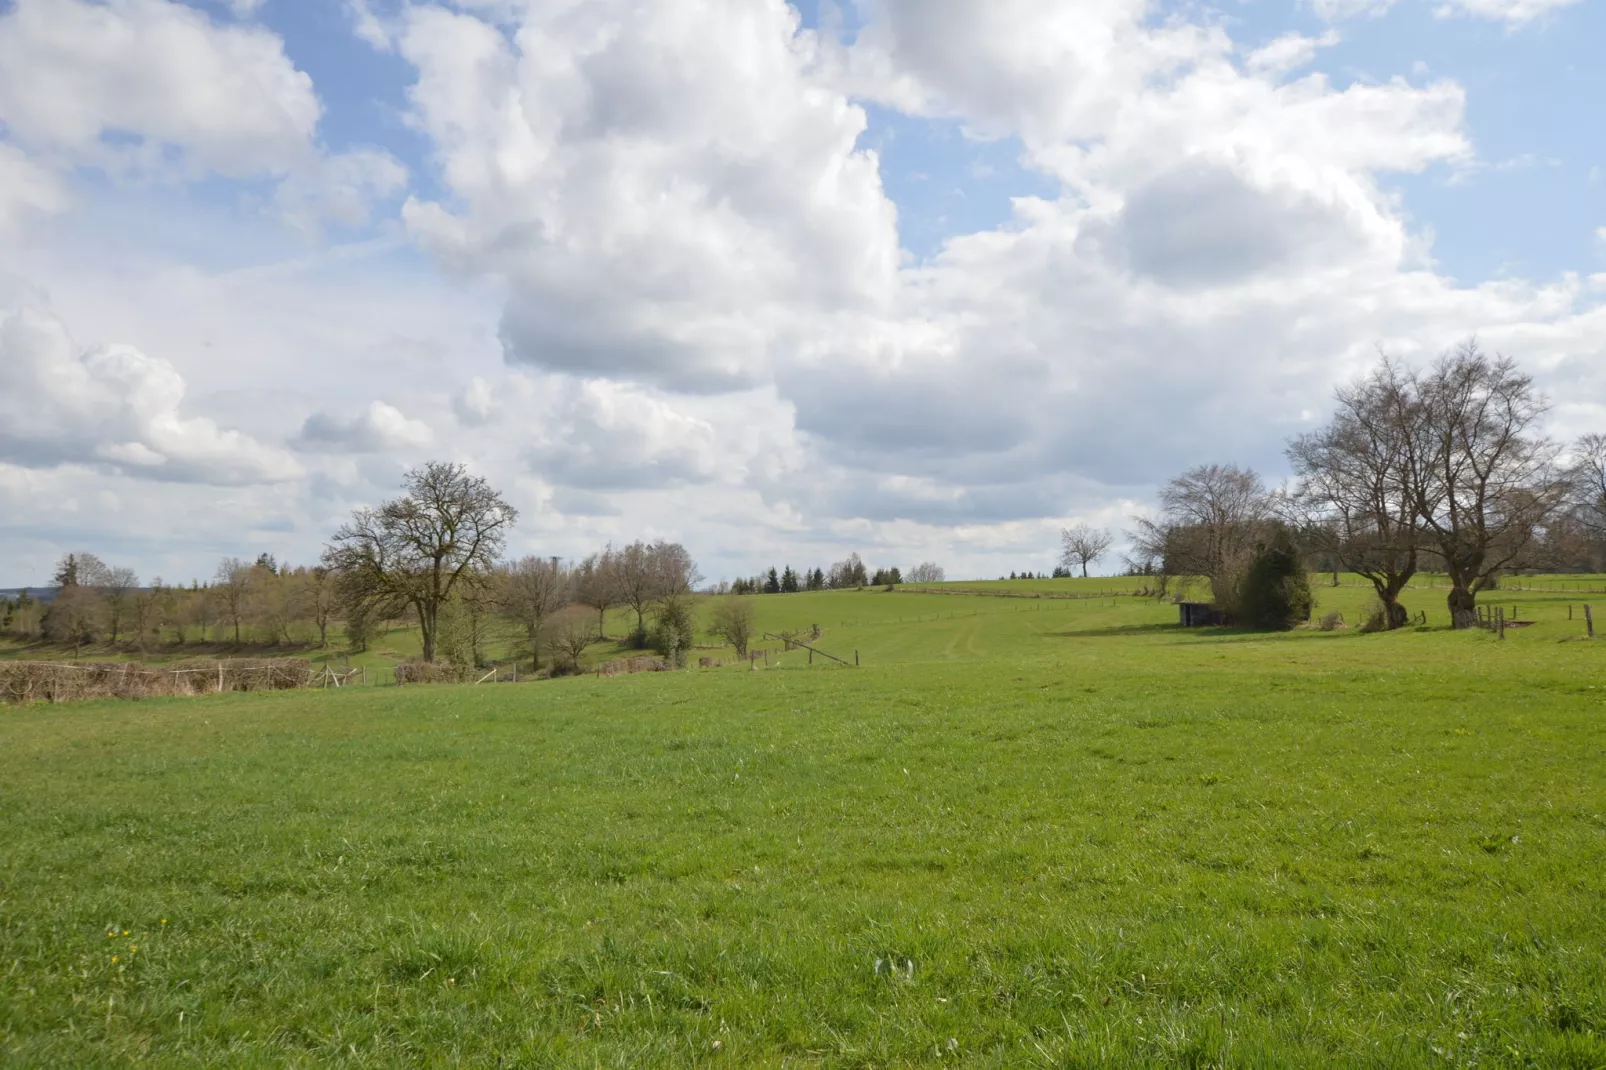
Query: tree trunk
<point x="1397" y="617"/>
<point x="426" y="629"/>
<point x="1463" y="607"/>
<point x="1388" y="587"/>
<point x="1084" y="569"/>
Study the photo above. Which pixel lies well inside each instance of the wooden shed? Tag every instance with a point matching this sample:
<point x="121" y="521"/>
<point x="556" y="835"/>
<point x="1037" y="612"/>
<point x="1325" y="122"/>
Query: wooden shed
<point x="1200" y="615"/>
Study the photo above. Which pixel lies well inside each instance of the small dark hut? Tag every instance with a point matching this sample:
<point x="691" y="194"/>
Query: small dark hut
<point x="1200" y="615"/>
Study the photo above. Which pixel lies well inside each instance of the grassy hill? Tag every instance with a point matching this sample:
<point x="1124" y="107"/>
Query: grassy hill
<point x="1026" y="832"/>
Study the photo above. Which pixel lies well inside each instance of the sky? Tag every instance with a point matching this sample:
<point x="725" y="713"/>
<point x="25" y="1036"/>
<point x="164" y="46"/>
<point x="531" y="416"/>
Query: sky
<point x="927" y="280"/>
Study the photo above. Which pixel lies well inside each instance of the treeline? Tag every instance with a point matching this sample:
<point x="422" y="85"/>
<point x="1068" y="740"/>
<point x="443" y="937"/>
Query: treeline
<point x="432" y="556"/>
<point x="1442" y="469"/>
<point x="246" y="603"/>
<point x="847" y="574"/>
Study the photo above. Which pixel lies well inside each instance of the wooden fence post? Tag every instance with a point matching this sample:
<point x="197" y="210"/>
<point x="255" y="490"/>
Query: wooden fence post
<point x="856" y="656"/>
<point x="1589" y="619"/>
<point x="1500" y="621"/>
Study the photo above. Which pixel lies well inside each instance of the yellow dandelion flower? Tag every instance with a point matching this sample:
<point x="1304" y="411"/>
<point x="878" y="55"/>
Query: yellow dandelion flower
<point x="125" y="932"/>
<point x="164" y="921"/>
<point x="114" y="958"/>
<point x="132" y="949"/>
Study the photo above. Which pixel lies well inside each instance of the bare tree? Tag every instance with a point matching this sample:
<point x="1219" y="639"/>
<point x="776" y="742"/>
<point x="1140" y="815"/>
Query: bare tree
<point x="1486" y="484"/>
<point x="677" y="572"/>
<point x="274" y="600"/>
<point x="529" y="592"/>
<point x="147" y="609"/>
<point x="1084" y="545"/>
<point x="321" y="601"/>
<point x="595" y="586"/>
<point x="1212" y="519"/>
<point x="1588" y="472"/>
<point x="733" y="622"/>
<point x="1357" y="501"/>
<point x="203" y="609"/>
<point x="646" y="573"/>
<point x="232" y="586"/>
<point x="446" y="531"/>
<point x="636" y="584"/>
<point x="81" y="570"/>
<point x="927" y="572"/>
<point x="73" y="616"/>
<point x="571" y="632"/>
<point x="118" y="586"/>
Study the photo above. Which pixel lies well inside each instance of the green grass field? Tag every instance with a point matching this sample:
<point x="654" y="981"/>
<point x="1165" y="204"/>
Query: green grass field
<point x="1027" y="832"/>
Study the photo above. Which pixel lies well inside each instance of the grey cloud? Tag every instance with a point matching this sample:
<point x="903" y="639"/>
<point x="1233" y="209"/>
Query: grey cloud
<point x="1203" y="225"/>
<point x="597" y="334"/>
<point x="379" y="428"/>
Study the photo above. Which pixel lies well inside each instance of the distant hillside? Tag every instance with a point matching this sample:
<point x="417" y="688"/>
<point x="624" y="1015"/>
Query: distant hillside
<point x="38" y="594"/>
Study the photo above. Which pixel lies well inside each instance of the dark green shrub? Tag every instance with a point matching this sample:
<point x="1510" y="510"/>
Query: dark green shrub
<point x="674" y="629"/>
<point x="1275" y="595"/>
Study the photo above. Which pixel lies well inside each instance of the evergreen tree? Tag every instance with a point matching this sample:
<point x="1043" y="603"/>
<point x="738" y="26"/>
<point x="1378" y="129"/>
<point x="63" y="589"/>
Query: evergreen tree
<point x="1276" y="592"/>
<point x="772" y="583"/>
<point x="67" y="572"/>
<point x="789" y="583"/>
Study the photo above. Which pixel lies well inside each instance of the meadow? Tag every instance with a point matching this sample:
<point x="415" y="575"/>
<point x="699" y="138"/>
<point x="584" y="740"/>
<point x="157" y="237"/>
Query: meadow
<point x="1027" y="831"/>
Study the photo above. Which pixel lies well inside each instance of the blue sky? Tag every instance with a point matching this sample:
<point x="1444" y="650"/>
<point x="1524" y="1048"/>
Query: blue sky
<point x="641" y="272"/>
<point x="1533" y="91"/>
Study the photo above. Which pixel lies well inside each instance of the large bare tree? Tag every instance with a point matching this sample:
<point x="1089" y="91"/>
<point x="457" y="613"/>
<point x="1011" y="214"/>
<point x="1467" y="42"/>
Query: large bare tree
<point x="1486" y="480"/>
<point x="446" y="531"/>
<point x="1212" y="519"/>
<point x="646" y="573"/>
<point x="1357" y="499"/>
<point x="1083" y="545"/>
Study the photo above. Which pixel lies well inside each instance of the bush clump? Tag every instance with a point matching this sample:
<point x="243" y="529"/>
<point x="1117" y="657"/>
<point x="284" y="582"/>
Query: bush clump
<point x="430" y="672"/>
<point x="674" y="629"/>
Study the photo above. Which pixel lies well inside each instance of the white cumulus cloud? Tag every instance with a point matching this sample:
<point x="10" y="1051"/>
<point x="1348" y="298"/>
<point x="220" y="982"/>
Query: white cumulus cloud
<point x="113" y="406"/>
<point x="662" y="187"/>
<point x="160" y="73"/>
